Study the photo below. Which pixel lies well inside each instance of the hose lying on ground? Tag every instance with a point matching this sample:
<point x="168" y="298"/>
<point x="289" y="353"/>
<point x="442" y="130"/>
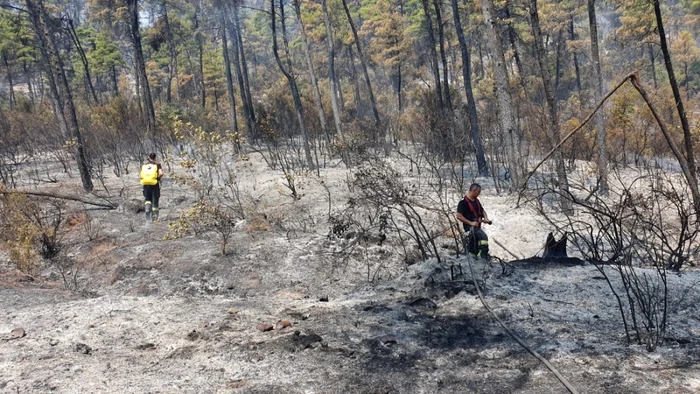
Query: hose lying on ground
<point x="522" y="343"/>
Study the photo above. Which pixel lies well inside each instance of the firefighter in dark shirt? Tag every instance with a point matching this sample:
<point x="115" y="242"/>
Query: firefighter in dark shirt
<point x="472" y="215"/>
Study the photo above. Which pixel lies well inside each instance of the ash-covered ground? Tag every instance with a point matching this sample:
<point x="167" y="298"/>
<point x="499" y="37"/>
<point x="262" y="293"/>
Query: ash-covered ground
<point x="283" y="313"/>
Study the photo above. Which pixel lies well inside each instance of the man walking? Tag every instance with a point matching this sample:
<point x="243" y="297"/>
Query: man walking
<point x="150" y="176"/>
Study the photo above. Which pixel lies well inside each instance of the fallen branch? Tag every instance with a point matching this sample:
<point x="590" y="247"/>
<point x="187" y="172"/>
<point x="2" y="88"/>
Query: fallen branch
<point x="506" y="249"/>
<point x="572" y="132"/>
<point x="685" y="167"/>
<point x="97" y="203"/>
<point x="634" y="79"/>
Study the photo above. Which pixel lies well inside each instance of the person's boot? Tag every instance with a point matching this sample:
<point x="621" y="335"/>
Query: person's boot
<point x="149" y="211"/>
<point x="154" y="214"/>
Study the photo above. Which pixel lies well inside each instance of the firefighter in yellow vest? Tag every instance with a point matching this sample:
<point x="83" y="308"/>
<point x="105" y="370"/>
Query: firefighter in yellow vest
<point x="150" y="175"/>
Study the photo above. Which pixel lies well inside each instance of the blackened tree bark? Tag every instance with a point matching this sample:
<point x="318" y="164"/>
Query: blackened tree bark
<point x="227" y="69"/>
<point x="312" y="71"/>
<point x="115" y="83"/>
<point x="687" y="136"/>
<point x="247" y="107"/>
<point x="572" y="36"/>
<point x="30" y="86"/>
<point x="64" y="106"/>
<point x="172" y="61"/>
<point x="399" y="86"/>
<point x="288" y="73"/>
<point x="554" y="136"/>
<point x="331" y="69"/>
<point x="652" y="59"/>
<point x="441" y="38"/>
<point x="9" y="79"/>
<point x="83" y="61"/>
<point x="140" y="63"/>
<point x="363" y="62"/>
<point x="557" y="62"/>
<point x="198" y="36"/>
<point x="355" y="83"/>
<point x="512" y="40"/>
<point x="601" y="139"/>
<point x="433" y="53"/>
<point x="471" y="104"/>
<point x="244" y="64"/>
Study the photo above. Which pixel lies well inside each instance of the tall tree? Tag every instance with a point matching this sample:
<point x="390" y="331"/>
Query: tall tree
<point x="140" y="63"/>
<point x="244" y="64"/>
<point x="227" y="69"/>
<point x="433" y="53"/>
<point x="506" y="117"/>
<point x="246" y="102"/>
<point x="312" y="71"/>
<point x="83" y="60"/>
<point x="601" y="140"/>
<point x="572" y="37"/>
<point x="172" y="51"/>
<point x="199" y="38"/>
<point x="553" y="131"/>
<point x="59" y="85"/>
<point x="471" y="104"/>
<point x="686" y="53"/>
<point x="363" y="62"/>
<point x="288" y="73"/>
<point x="331" y="68"/>
<point x="443" y="57"/>
<point x="687" y="135"/>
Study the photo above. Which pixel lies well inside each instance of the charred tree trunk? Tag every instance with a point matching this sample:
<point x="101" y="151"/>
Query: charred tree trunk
<point x="363" y="62"/>
<point x="572" y="36"/>
<point x="229" y="75"/>
<point x="244" y="64"/>
<point x="687" y="136"/>
<point x="115" y="83"/>
<point x="290" y="78"/>
<point x="355" y="83"/>
<point x="172" y="61"/>
<point x="200" y="59"/>
<point x="433" y="54"/>
<point x="83" y="60"/>
<point x="601" y="139"/>
<point x="312" y="72"/>
<point x="331" y="69"/>
<point x="557" y="62"/>
<point x="140" y="63"/>
<point x="512" y="40"/>
<point x="509" y="127"/>
<point x="445" y="68"/>
<point x="9" y="79"/>
<point x="399" y="84"/>
<point x="247" y="109"/>
<point x="30" y="86"/>
<point x="57" y="75"/>
<point x="554" y="136"/>
<point x="652" y="59"/>
<point x="471" y="104"/>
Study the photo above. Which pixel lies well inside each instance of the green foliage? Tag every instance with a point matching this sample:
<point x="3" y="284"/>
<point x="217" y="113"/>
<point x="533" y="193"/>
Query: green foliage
<point x="33" y="230"/>
<point x="693" y="6"/>
<point x="105" y="55"/>
<point x="385" y="26"/>
<point x="203" y="157"/>
<point x="204" y="217"/>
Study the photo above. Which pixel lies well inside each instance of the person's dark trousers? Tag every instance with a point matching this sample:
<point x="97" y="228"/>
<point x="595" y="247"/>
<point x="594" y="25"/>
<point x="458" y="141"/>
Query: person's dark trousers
<point x="151" y="194"/>
<point x="476" y="243"/>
